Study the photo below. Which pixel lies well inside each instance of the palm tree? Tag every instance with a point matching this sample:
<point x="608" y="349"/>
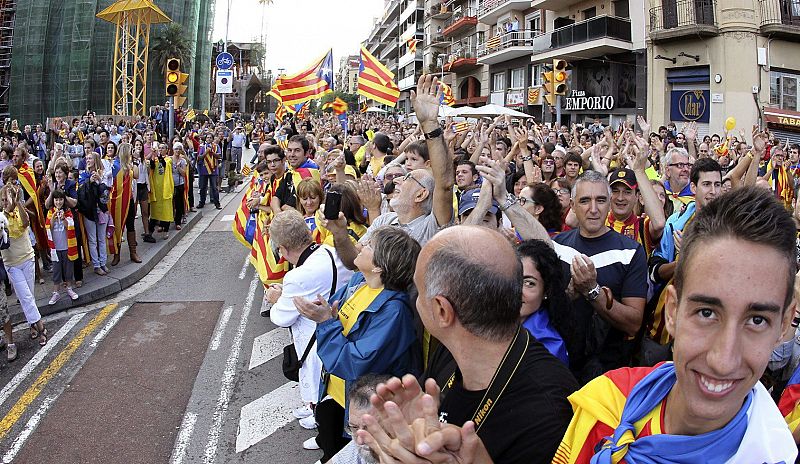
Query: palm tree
<point x="171" y="42"/>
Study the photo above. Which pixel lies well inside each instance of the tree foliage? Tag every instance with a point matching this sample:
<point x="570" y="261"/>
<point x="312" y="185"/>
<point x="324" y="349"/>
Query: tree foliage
<point x="171" y="42"/>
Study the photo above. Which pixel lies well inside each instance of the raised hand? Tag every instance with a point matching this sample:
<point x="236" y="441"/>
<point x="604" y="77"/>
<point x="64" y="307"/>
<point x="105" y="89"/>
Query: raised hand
<point x="643" y="124"/>
<point x="426" y="98"/>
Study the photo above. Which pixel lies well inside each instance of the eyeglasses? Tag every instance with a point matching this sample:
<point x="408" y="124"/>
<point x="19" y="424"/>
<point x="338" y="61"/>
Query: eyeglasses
<point x="351" y="429"/>
<point x="523" y="201"/>
<point x="391" y="177"/>
<point x="409" y="176"/>
<point x="561" y="191"/>
<point x="682" y="165"/>
<point x="274" y="161"/>
<point x="549" y="161"/>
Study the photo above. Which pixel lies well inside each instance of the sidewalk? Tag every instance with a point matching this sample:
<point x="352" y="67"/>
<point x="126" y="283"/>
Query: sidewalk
<point x="124" y="274"/>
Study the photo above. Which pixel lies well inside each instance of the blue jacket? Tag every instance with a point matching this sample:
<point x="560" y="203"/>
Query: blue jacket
<point x="380" y="341"/>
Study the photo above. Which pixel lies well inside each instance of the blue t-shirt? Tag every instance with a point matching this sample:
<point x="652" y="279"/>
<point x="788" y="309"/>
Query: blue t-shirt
<point x="538" y="324"/>
<point x="621" y="266"/>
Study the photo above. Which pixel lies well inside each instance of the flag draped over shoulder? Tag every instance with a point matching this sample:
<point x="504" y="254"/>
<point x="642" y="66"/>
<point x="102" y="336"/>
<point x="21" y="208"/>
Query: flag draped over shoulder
<point x="242" y="216"/>
<point x="375" y="81"/>
<point x="789" y="403"/>
<point x="27" y="179"/>
<point x="119" y="203"/>
<point x="313" y="82"/>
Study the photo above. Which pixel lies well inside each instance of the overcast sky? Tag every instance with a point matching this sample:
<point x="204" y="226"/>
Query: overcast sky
<point x="299" y="31"/>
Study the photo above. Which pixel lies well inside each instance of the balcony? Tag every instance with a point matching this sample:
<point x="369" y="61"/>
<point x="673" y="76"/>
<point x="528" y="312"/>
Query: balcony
<point x="781" y="18"/>
<point x="388" y="52"/>
<point x="472" y="101"/>
<point x="391" y="31"/>
<point x="506" y="47"/>
<point x="466" y="18"/>
<point x="439" y="11"/>
<point x="490" y="10"/>
<point x="408" y="58"/>
<point x="462" y="60"/>
<point x="407" y="82"/>
<point x="412" y="7"/>
<point x="594" y="37"/>
<point x="683" y="19"/>
<point x="554" y="5"/>
<point x="438" y="40"/>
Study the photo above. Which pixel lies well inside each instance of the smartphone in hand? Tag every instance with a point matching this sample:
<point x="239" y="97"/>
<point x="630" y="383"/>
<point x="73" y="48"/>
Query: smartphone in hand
<point x="333" y="204"/>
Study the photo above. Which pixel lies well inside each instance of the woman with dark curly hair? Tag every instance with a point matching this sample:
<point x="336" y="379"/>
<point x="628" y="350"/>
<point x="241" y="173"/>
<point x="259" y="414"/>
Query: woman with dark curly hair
<point x="546" y="310"/>
<point x="543" y="204"/>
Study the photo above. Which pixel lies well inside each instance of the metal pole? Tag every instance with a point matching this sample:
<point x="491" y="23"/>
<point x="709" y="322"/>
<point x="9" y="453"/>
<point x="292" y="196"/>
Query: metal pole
<point x="558" y="112"/>
<point x="225" y="49"/>
<point x="171" y="117"/>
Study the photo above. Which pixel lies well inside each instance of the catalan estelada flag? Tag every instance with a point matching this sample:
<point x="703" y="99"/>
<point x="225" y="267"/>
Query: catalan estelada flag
<point x="280" y="112"/>
<point x="283" y="141"/>
<point x="242" y="216"/>
<point x="338" y="106"/>
<point x="119" y="202"/>
<point x="412" y="45"/>
<point x="313" y="82"/>
<point x="462" y="127"/>
<point x="263" y="258"/>
<point x="301" y="110"/>
<point x="27" y="179"/>
<point x="362" y="110"/>
<point x="375" y="81"/>
<point x="789" y="403"/>
<point x="447" y="95"/>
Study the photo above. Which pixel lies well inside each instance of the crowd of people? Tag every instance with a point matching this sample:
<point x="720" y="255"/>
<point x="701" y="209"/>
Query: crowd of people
<point x="72" y="192"/>
<point x="504" y="291"/>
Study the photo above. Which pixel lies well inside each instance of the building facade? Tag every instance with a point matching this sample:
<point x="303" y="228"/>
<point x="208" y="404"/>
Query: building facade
<point x="347" y="77"/>
<point x="61" y="57"/>
<point x="462" y="31"/>
<point x="709" y="60"/>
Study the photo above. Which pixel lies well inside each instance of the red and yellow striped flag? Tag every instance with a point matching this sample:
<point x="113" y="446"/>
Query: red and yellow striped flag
<point x="412" y="45"/>
<point x="301" y="110"/>
<point x="338" y="106"/>
<point x="119" y="202"/>
<point x="280" y="112"/>
<point x="375" y="81"/>
<point x="447" y="95"/>
<point x="313" y="82"/>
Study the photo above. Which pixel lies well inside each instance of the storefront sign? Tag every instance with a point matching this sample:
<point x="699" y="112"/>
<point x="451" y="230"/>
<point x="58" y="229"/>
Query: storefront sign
<point x="515" y="98"/>
<point x="578" y="101"/>
<point x="690" y="105"/>
<point x="781" y="117"/>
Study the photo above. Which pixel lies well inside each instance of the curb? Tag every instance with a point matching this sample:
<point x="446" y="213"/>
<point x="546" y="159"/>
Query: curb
<point x="104" y="286"/>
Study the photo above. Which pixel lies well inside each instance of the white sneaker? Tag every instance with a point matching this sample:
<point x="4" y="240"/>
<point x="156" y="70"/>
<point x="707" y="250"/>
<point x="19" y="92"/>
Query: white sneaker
<point x="302" y="412"/>
<point x="72" y="293"/>
<point x="54" y="299"/>
<point x="308" y="423"/>
<point x="311" y="444"/>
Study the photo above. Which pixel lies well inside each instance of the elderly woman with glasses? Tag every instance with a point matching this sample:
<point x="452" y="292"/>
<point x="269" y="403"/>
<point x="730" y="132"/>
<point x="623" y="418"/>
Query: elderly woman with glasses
<point x="368" y="327"/>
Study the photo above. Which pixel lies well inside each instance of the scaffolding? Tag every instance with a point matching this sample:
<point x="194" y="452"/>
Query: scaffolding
<point x="133" y="19"/>
<point x="7" y="11"/>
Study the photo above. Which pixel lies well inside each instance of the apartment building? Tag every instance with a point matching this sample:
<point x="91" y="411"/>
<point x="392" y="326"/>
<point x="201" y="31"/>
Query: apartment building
<point x="710" y="59"/>
<point x="604" y="43"/>
<point x="347" y="76"/>
<point x="460" y="34"/>
<point x="409" y="65"/>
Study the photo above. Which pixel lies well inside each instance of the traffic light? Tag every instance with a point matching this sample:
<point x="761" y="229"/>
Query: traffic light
<point x="555" y="80"/>
<point x="560" y="77"/>
<point x="175" y="81"/>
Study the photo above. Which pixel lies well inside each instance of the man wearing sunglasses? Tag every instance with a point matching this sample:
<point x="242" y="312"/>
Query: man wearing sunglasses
<point x="678" y="167"/>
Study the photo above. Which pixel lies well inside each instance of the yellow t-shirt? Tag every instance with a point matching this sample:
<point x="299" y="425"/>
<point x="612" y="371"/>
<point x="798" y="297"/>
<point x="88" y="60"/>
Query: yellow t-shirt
<point x="326" y="236"/>
<point x="348" y="314"/>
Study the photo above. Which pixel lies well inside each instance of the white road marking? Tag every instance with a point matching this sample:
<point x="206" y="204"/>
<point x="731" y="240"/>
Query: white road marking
<point x="227" y="218"/>
<point x="33" y="422"/>
<point x="262" y="417"/>
<point x="223" y="323"/>
<point x="184" y="438"/>
<point x="268" y="346"/>
<point x="246" y="264"/>
<point x="52" y="342"/>
<point x="112" y="321"/>
<point x="228" y="376"/>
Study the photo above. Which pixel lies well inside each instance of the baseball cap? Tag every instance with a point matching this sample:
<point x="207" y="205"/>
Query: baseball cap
<point x="624" y="175"/>
<point x="469" y="200"/>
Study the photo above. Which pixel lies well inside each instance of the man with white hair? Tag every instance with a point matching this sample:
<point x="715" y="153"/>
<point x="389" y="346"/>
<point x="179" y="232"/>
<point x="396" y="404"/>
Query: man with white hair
<point x="678" y="165"/>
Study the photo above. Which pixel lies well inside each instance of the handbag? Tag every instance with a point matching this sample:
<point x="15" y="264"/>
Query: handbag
<point x="291" y="364"/>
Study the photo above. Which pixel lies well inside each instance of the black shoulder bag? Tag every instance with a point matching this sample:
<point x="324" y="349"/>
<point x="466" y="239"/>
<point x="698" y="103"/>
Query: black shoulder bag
<point x="291" y="365"/>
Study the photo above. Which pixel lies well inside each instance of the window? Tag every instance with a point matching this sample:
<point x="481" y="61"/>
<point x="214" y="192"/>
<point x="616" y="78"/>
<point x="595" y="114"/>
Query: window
<point x="518" y="78"/>
<point x="534" y="23"/>
<point x="622" y="9"/>
<point x="590" y="13"/>
<point x="536" y="75"/>
<point x="498" y="82"/>
<point x="783" y="90"/>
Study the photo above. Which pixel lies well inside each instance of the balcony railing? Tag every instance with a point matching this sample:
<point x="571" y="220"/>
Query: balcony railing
<point x="676" y="18"/>
<point x="595" y="28"/>
<point x="464" y="17"/>
<point x="494" y="6"/>
<point x="507" y="40"/>
<point x="464" y="57"/>
<point x="439" y="11"/>
<point x="780" y="17"/>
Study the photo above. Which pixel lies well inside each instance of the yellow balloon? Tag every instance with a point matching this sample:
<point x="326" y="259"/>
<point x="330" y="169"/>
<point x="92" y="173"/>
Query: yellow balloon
<point x="730" y="123"/>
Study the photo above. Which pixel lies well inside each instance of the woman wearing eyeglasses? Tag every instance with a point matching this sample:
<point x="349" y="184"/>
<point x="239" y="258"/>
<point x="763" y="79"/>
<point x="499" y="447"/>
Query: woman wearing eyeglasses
<point x="543" y="203"/>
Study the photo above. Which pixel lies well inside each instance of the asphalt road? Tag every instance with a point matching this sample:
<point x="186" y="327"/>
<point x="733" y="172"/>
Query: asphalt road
<point x="178" y="368"/>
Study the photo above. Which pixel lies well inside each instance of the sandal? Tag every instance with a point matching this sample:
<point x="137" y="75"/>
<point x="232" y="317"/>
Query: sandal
<point x="43" y="338"/>
<point x="34" y="332"/>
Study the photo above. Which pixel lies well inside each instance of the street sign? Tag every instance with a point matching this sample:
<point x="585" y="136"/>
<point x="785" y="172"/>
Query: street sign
<point x="224" y="60"/>
<point x="224" y="81"/>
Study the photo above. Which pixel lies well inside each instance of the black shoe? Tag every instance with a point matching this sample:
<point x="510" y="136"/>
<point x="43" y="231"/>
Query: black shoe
<point x="218" y="206"/>
<point x="201" y="205"/>
<point x="149" y="238"/>
<point x="265" y="307"/>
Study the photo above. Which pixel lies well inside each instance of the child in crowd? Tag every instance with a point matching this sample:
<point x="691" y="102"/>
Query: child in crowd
<point x="63" y="245"/>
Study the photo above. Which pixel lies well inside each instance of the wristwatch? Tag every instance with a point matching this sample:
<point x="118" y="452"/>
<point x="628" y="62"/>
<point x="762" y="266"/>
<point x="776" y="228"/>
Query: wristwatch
<point x="593" y="293"/>
<point x="434" y="133"/>
<point x="510" y="200"/>
<point x="527" y="158"/>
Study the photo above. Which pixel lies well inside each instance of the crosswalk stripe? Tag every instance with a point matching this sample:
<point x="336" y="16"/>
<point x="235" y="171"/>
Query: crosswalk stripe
<point x="262" y="417"/>
<point x="223" y="322"/>
<point x="228" y="376"/>
<point x="226" y="218"/>
<point x="243" y="272"/>
<point x="38" y="357"/>
<point x="268" y="346"/>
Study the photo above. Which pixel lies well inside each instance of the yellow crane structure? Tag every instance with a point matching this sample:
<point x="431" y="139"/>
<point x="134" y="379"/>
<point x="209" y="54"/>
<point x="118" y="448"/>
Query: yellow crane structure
<point x="133" y="19"/>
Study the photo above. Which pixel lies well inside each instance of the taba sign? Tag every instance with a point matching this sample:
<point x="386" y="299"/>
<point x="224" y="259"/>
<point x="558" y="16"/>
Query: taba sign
<point x="690" y="105"/>
<point x="578" y="101"/>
